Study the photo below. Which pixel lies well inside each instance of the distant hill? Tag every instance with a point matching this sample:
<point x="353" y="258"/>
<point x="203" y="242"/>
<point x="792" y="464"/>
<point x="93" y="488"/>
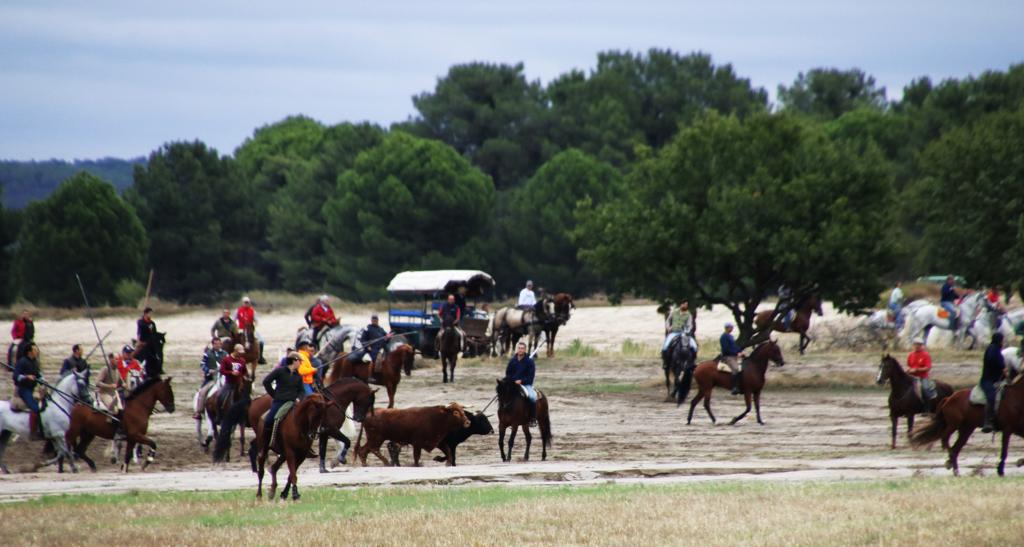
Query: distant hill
<point x="25" y="181"/>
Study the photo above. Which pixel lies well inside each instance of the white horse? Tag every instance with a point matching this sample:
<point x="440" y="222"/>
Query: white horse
<point x="983" y="327"/>
<point x="56" y="418"/>
<point x="332" y="343"/>
<point x="921" y="317"/>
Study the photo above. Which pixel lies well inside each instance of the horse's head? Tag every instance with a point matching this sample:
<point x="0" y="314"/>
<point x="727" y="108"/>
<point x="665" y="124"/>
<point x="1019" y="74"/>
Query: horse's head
<point x="81" y="385"/>
<point x="165" y="394"/>
<point x="885" y="368"/>
<point x="311" y="411"/>
<point x="506" y="389"/>
<point x="816" y="305"/>
<point x="769" y="351"/>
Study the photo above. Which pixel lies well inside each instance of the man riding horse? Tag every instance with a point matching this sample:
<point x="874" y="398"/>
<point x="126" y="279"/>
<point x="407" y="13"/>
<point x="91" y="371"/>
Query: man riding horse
<point x="245" y="315"/>
<point x="522" y="369"/>
<point x="321" y="318"/>
<point x="371" y="340"/>
<point x="731" y="355"/>
<point x="147" y="335"/>
<point x="681" y="325"/>
<point x="233" y="369"/>
<point x="23" y="333"/>
<point x="919" y="365"/>
<point x="948" y="298"/>
<point x="450" y="314"/>
<point x="210" y="366"/>
<point x="26" y="377"/>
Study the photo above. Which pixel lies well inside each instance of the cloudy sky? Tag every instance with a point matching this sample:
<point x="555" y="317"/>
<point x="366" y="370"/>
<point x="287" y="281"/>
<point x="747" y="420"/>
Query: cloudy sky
<point x="119" y="78"/>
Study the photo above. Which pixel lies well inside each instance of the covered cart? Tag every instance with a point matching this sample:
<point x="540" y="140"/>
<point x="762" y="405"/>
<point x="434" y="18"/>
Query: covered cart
<point x="414" y="298"/>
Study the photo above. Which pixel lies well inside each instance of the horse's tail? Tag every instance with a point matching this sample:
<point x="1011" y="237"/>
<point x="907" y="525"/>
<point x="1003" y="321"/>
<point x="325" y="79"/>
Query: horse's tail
<point x="683" y="387"/>
<point x="252" y="454"/>
<point x="234" y="416"/>
<point x="932" y="430"/>
<point x="544" y="422"/>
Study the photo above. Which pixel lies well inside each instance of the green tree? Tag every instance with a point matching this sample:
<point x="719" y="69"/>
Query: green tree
<point x="201" y="219"/>
<point x="490" y="114"/>
<point x="297" y="227"/>
<point x="407" y="203"/>
<point x="732" y="209"/>
<point x="830" y="92"/>
<point x="969" y="203"/>
<point x="633" y="99"/>
<point x="6" y="251"/>
<point x="541" y="221"/>
<point x="83" y="228"/>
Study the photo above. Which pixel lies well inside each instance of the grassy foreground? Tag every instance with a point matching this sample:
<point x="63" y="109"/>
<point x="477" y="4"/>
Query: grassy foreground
<point x="982" y="511"/>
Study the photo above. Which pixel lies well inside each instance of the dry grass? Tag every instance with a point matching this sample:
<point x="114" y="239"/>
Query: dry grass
<point x="911" y="511"/>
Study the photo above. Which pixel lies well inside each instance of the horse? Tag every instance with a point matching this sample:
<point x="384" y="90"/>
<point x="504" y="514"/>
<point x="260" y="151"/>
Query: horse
<point x="234" y="412"/>
<point x="678" y="361"/>
<point x="247" y="338"/>
<point x="513" y="412"/>
<point x="87" y="423"/>
<point x="752" y="380"/>
<point x="449" y="350"/>
<point x="54" y="418"/>
<point x="903" y="396"/>
<point x="332" y="342"/>
<point x="398" y="357"/>
<point x="339" y="395"/>
<point x="151" y="357"/>
<point x="563" y="305"/>
<point x="924" y="316"/>
<point x="509" y="325"/>
<point x="800" y="323"/>
<point x="294" y="438"/>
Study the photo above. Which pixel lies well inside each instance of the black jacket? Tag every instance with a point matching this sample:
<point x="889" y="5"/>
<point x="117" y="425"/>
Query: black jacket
<point x="289" y="384"/>
<point x="26" y="367"/>
<point x="994" y="365"/>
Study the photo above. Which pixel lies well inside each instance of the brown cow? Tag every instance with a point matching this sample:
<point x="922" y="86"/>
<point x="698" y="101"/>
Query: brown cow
<point x="423" y="427"/>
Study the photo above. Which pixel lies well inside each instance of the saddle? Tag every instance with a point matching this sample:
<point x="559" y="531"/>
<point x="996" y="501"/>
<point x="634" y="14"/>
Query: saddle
<point x="977" y="397"/>
<point x="18" y="405"/>
<point x="926" y="390"/>
<point x="942" y="313"/>
<point x="283" y="412"/>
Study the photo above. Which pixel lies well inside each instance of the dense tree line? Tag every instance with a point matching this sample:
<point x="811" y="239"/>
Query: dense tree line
<point x="26" y="181"/>
<point x="654" y="173"/>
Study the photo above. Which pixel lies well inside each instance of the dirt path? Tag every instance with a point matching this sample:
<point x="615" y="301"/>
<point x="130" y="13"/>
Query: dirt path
<point x="609" y="419"/>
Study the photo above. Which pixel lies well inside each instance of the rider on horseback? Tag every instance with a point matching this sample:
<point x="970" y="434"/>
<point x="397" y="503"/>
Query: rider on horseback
<point x="245" y="315"/>
<point x="211" y="358"/>
<point x="731" y="355"/>
<point x="284" y="384"/>
<point x="371" y="340"/>
<point x="993" y="370"/>
<point x="521" y="369"/>
<point x="919" y="365"/>
<point x="224" y="326"/>
<point x="950" y="294"/>
<point x="321" y="318"/>
<point x="896" y="305"/>
<point x="26" y="376"/>
<point x="233" y="369"/>
<point x="680" y="324"/>
<point x="450" y="314"/>
<point x="526" y="297"/>
<point x="23" y="333"/>
<point x="785" y="299"/>
<point x="147" y="335"/>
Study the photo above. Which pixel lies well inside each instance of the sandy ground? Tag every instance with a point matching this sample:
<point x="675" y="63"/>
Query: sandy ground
<point x="609" y="417"/>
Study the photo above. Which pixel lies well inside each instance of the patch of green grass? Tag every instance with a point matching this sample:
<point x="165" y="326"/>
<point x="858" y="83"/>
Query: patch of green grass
<point x="577" y="348"/>
<point x="637" y="349"/>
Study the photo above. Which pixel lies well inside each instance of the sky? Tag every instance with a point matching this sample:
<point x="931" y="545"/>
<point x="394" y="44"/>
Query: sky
<point x="120" y="78"/>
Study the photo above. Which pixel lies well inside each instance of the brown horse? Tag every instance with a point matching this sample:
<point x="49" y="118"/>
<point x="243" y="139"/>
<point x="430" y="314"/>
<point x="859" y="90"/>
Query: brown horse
<point x="294" y="439"/>
<point x="903" y="397"/>
<point x="87" y="424"/>
<point x="449" y="350"/>
<point x="956" y="413"/>
<point x="228" y="416"/>
<point x="514" y="412"/>
<point x="338" y="395"/>
<point x="247" y="338"/>
<point x="555" y="313"/>
<point x="752" y="380"/>
<point x="800" y="323"/>
<point x="398" y="358"/>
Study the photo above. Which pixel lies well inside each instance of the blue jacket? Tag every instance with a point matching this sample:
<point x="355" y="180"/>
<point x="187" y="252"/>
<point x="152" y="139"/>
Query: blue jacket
<point x="948" y="294"/>
<point x="523" y="370"/>
<point x="728" y="343"/>
<point x="27" y="367"/>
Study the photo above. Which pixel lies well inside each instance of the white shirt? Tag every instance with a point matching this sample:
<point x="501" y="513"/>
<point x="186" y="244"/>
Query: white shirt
<point x="526" y="297"/>
<point x="896" y="297"/>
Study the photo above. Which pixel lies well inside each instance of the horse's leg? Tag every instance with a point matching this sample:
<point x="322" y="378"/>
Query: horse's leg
<point x="241" y="439"/>
<point x="707" y="403"/>
<point x="455" y="361"/>
<point x="693" y="405"/>
<point x="444" y="368"/>
<point x="746" y="398"/>
<point x="81" y="446"/>
<point x="895" y="420"/>
<point x="529" y="438"/>
<point x="5" y="437"/>
<point x="261" y="461"/>
<point x="343" y="445"/>
<point x="910" y="423"/>
<point x="391" y="388"/>
<point x="804" y="341"/>
<point x="757" y="407"/>
<point x="273" y="475"/>
<point x="323" y="453"/>
<point x="293" y="477"/>
<point x="511" y="441"/>
<point x="501" y="440"/>
<point x="668" y="390"/>
<point x="129" y="450"/>
<point x="1003" y="451"/>
<point x="954" y="452"/>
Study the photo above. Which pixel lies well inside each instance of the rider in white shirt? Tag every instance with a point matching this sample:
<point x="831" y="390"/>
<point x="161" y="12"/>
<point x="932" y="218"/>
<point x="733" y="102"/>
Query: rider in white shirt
<point x="526" y="297"/>
<point x="896" y="304"/>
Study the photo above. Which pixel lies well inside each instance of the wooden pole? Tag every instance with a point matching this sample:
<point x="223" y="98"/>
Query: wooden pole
<point x="149" y="287"/>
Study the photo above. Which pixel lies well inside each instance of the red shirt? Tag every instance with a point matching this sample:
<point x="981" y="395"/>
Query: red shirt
<point x="18" y="330"/>
<point x="919" y="363"/>
<point x="322" y="315"/>
<point x="993" y="296"/>
<point x="126" y="365"/>
<point x="246" y="316"/>
<point x="232" y="368"/>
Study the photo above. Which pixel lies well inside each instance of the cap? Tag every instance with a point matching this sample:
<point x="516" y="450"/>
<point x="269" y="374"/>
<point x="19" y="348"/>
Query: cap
<point x="127" y="349"/>
<point x="374" y="317"/>
<point x="729" y="325"/>
<point x="246" y="299"/>
<point x="294" y="355"/>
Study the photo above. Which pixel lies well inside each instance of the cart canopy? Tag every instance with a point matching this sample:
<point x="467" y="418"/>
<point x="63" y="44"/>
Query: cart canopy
<point x="431" y="282"/>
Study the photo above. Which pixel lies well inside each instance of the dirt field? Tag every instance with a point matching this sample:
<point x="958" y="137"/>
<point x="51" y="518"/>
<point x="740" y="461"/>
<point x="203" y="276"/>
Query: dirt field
<point x="825" y="418"/>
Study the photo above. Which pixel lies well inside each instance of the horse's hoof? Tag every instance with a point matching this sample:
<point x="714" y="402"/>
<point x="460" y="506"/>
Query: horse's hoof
<point x="1020" y="462"/>
<point x="949" y="464"/>
<point x="323" y="469"/>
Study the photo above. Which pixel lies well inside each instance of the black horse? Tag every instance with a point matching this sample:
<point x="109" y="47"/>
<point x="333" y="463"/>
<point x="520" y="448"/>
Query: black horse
<point x="904" y="400"/>
<point x="152" y="354"/>
<point x="678" y="362"/>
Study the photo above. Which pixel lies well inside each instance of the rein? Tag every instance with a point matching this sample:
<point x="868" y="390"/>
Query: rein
<point x="62" y="393"/>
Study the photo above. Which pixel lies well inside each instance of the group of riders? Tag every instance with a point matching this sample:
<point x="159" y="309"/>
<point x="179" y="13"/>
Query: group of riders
<point x="119" y="374"/>
<point x="949" y="296"/>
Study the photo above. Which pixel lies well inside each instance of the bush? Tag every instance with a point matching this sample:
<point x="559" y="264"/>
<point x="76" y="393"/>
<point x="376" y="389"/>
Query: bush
<point x="578" y="349"/>
<point x="128" y="292"/>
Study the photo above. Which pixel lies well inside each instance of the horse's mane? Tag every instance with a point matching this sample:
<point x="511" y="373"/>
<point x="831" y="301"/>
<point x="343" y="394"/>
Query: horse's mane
<point x="141" y="388"/>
